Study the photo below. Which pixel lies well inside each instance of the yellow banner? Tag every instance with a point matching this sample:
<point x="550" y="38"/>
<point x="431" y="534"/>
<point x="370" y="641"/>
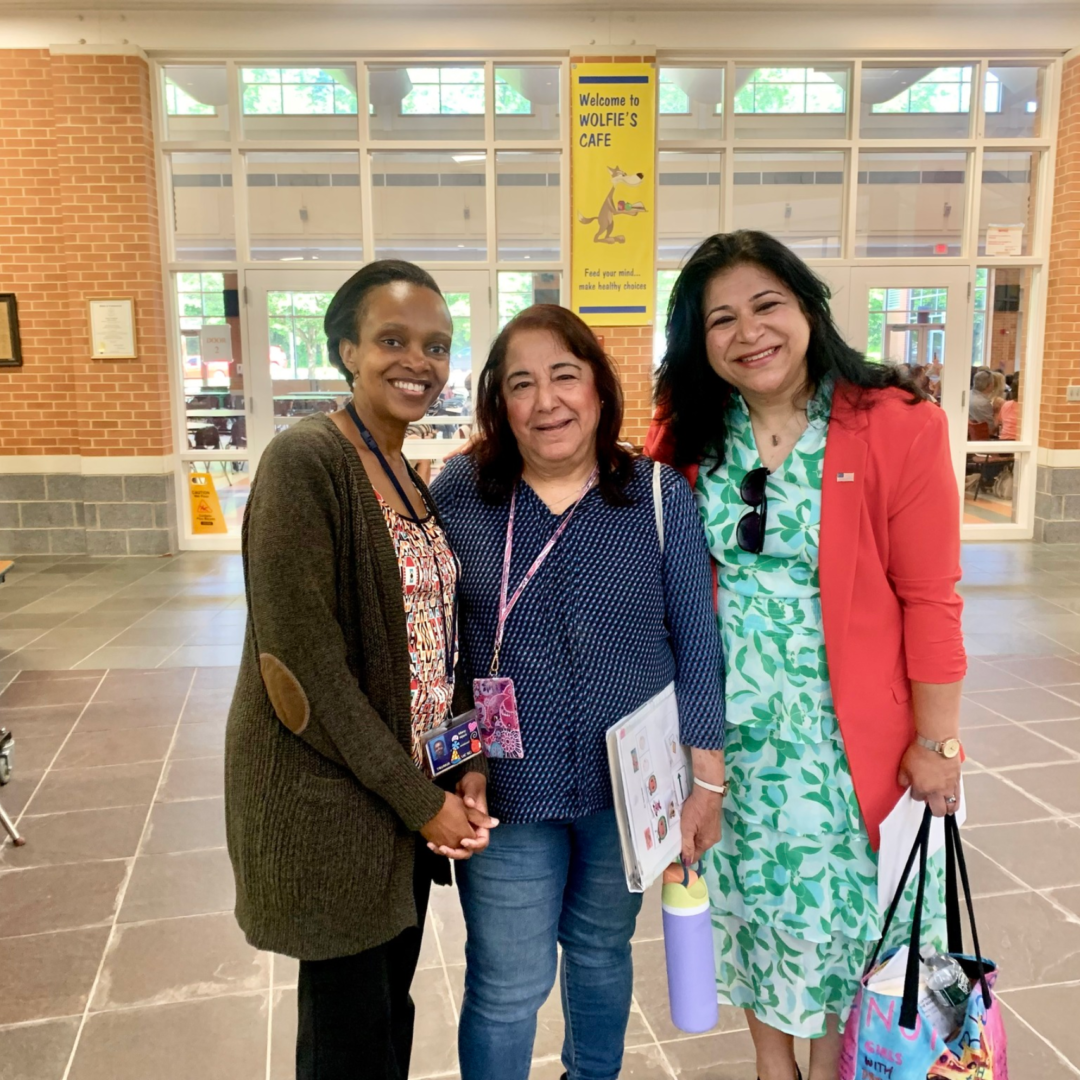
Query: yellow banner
<point x="613" y="163"/>
<point x="206" y="515"/>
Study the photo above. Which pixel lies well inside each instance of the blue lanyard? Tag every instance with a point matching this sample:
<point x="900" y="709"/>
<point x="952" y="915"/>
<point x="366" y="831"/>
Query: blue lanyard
<point x="373" y="446"/>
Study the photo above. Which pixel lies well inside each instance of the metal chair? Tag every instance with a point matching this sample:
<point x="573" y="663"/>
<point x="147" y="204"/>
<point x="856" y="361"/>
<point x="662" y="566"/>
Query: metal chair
<point x="209" y="438"/>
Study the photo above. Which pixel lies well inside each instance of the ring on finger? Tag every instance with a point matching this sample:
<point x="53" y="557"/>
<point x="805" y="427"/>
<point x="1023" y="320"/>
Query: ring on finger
<point x="951" y="800"/>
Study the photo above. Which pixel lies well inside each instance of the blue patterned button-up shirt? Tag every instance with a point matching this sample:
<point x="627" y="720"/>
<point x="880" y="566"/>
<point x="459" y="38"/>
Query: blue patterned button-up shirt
<point x="607" y="622"/>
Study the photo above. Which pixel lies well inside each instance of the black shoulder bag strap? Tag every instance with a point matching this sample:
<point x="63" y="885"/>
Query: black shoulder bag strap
<point x="954" y="856"/>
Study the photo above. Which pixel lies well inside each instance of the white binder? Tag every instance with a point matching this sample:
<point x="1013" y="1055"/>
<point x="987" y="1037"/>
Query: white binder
<point x="650" y="780"/>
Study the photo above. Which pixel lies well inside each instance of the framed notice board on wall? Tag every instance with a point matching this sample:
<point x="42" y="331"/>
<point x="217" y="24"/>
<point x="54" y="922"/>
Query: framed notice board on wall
<point x="112" y="328"/>
<point x="10" y="346"/>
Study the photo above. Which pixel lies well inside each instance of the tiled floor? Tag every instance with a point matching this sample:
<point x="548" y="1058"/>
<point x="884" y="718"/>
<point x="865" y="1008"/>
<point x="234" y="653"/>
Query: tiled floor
<point x="119" y="959"/>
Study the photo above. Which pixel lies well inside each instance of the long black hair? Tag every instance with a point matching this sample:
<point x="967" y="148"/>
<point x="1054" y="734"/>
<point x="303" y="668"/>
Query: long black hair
<point x="690" y="395"/>
<point x="346" y="311"/>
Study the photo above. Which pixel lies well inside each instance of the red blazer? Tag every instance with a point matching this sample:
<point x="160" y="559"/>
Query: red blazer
<point x="889" y="563"/>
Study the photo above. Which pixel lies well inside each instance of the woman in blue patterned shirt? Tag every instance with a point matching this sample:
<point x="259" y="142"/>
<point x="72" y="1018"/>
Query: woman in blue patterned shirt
<point x="607" y="620"/>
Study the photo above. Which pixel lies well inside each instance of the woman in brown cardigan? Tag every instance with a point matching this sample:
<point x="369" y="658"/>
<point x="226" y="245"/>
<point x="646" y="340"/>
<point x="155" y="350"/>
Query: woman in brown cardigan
<point x="347" y="661"/>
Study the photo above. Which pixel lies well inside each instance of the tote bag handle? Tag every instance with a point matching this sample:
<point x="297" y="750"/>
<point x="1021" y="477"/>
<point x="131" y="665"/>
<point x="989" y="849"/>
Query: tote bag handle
<point x="954" y="856"/>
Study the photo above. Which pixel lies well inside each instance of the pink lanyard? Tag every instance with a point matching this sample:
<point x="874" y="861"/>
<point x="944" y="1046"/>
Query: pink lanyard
<point x="505" y="607"/>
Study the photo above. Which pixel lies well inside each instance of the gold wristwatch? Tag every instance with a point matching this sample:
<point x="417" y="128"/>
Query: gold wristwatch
<point x="947" y="748"/>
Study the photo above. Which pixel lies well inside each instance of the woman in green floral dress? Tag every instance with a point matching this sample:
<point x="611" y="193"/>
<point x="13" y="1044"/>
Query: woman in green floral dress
<point x="812" y="466"/>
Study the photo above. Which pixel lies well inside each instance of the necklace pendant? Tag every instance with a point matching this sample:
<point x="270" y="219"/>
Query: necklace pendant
<point x="776" y="440"/>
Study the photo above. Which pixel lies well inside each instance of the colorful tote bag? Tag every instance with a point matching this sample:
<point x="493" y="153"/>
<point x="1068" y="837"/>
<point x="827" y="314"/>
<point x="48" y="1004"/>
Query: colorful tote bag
<point x="894" y="1038"/>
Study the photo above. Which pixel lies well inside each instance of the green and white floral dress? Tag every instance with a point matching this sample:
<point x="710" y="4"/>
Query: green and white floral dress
<point x="793" y="881"/>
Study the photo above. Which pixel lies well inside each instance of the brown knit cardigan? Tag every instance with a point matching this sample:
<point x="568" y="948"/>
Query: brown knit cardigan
<point x="322" y="797"/>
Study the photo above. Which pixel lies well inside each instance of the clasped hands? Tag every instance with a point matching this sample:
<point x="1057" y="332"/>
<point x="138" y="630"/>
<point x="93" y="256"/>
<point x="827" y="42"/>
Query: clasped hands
<point x="463" y="826"/>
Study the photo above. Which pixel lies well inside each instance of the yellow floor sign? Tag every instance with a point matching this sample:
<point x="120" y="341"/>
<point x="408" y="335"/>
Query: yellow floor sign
<point x="206" y="515"/>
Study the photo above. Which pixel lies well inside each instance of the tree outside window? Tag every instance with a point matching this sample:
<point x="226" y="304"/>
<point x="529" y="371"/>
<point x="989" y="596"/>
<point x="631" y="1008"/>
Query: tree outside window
<point x="673" y="101"/>
<point x="445" y="91"/>
<point x="298" y="92"/>
<point x="793" y="90"/>
<point x="944" y="90"/>
<point x="508" y="101"/>
<point x="297" y="338"/>
<point x="978" y="344"/>
<point x="200" y="299"/>
<point x="180" y="103"/>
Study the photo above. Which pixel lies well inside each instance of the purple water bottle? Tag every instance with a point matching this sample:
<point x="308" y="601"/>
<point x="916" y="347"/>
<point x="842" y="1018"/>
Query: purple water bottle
<point x="688" y="948"/>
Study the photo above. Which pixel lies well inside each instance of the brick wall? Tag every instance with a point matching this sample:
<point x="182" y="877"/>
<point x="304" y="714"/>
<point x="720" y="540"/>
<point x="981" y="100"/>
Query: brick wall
<point x="78" y="217"/>
<point x="37" y="401"/>
<point x="1059" y="427"/>
<point x="631" y="347"/>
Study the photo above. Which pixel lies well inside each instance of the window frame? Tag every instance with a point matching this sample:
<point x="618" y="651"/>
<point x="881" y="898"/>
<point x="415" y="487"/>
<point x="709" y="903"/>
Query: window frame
<point x="281" y="84"/>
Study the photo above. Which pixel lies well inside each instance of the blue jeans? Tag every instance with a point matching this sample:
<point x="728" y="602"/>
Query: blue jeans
<point x="538" y="885"/>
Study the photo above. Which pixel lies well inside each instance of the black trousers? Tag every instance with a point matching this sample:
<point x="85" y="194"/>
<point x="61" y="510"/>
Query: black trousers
<point x="355" y="1012"/>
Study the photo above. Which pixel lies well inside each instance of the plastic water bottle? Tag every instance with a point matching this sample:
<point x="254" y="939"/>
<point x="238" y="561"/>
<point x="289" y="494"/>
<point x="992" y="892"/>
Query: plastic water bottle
<point x="948" y="983"/>
<point x="688" y="949"/>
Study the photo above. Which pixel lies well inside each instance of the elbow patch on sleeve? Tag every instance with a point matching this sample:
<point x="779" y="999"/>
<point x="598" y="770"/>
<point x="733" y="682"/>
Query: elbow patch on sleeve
<point x="286" y="694"/>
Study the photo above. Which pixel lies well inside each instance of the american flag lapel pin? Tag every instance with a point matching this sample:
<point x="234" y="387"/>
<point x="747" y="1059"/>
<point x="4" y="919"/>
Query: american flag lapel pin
<point x="845" y="478"/>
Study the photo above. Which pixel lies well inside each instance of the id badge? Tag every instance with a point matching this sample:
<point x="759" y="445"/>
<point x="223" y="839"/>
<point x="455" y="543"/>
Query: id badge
<point x="449" y="745"/>
<point x="497" y="715"/>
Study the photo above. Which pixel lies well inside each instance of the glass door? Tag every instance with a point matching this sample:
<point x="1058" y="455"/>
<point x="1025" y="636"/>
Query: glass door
<point x="291" y="376"/>
<point x="920" y="317"/>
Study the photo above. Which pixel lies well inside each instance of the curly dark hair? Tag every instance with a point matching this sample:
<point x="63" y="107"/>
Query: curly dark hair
<point x="346" y="311"/>
<point x="498" y="459"/>
<point x="690" y="395"/>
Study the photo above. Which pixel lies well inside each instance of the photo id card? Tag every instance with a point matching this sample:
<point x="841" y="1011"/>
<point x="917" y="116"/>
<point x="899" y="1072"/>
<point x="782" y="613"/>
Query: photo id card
<point x="451" y="744"/>
<point x="497" y="715"/>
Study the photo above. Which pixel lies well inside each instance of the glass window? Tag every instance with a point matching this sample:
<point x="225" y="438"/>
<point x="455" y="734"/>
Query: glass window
<point x="448" y="90"/>
<point x="304" y="205"/>
<point x="211" y="373"/>
<point x="691" y="103"/>
<point x="410" y="102"/>
<point x="196" y="101"/>
<point x="429" y="206"/>
<point x="299" y="103"/>
<point x="688" y="202"/>
<point x="943" y="90"/>
<point x="527" y="102"/>
<point x="991" y="488"/>
<point x="202" y="206"/>
<point x="674" y="101"/>
<point x="527" y="207"/>
<point x="298" y="91"/>
<point x="797" y="196"/>
<point x="451" y="416"/>
<point x="1007" y="204"/>
<point x="978" y="340"/>
<point x="665" y="282"/>
<point x="1017" y="93"/>
<point x="912" y="101"/>
<point x="179" y="102"/>
<point x="907" y="326"/>
<point x="304" y="380"/>
<point x="1002" y="298"/>
<point x="783" y="102"/>
<point x="521" y="289"/>
<point x="910" y="204"/>
<point x="232" y="484"/>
